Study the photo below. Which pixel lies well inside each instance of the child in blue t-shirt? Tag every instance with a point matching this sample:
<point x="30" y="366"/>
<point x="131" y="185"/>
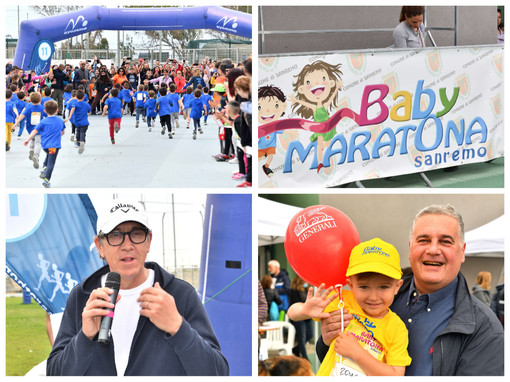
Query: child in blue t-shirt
<point x="34" y="112"/>
<point x="51" y="130"/>
<point x="127" y="96"/>
<point x="185" y="103"/>
<point x="11" y="113"/>
<point x="80" y="109"/>
<point x="163" y="106"/>
<point x="114" y="107"/>
<point x="207" y="100"/>
<point x="20" y="105"/>
<point x="174" y="109"/>
<point x="197" y="107"/>
<point x="150" y="109"/>
<point x="140" y="98"/>
<point x="46" y="93"/>
<point x="68" y="94"/>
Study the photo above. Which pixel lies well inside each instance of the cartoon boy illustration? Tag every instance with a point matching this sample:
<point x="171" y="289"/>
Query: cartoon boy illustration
<point x="317" y="87"/>
<point x="271" y="108"/>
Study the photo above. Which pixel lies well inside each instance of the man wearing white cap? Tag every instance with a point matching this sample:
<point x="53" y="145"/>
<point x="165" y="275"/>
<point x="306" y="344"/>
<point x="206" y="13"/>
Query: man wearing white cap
<point x="160" y="325"/>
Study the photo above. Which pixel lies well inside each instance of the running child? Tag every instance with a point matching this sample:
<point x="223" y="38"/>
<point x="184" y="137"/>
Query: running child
<point x="163" y="106"/>
<point x="140" y="98"/>
<point x="185" y="103"/>
<point x="174" y="110"/>
<point x="375" y="341"/>
<point x="197" y="107"/>
<point x="11" y="113"/>
<point x="68" y="94"/>
<point x="68" y="108"/>
<point x="114" y="107"/>
<point x="127" y="96"/>
<point x="208" y="102"/>
<point x="81" y="109"/>
<point x="46" y="95"/>
<point x="20" y="105"/>
<point x="34" y="113"/>
<point x="150" y="109"/>
<point x="51" y="130"/>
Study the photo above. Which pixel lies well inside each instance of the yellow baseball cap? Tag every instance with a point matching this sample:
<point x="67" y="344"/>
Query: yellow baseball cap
<point x="375" y="256"/>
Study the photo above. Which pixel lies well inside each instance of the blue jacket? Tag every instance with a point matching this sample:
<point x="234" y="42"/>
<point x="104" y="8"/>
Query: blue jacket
<point x="193" y="350"/>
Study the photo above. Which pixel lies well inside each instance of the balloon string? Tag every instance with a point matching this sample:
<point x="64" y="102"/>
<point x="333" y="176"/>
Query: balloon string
<point x="341" y="304"/>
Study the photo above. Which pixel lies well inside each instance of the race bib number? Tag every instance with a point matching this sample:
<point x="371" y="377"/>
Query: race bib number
<point x="341" y="370"/>
<point x="35" y="118"/>
<point x="139" y="97"/>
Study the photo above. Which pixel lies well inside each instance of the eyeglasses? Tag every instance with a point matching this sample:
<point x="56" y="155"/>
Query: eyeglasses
<point x="116" y="238"/>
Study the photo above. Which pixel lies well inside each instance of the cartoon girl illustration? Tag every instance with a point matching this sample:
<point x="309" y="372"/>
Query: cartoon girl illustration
<point x="316" y="88"/>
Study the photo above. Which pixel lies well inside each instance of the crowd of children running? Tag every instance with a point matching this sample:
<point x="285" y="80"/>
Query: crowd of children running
<point x="217" y="89"/>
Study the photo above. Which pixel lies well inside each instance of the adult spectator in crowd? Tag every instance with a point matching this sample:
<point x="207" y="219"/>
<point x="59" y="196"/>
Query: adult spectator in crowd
<point x="410" y="33"/>
<point x="481" y="289"/>
<point x="57" y="86"/>
<point x="281" y="282"/>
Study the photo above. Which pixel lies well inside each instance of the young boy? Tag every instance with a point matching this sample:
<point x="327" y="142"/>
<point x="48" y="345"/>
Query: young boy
<point x="70" y="104"/>
<point x="140" y="98"/>
<point x="163" y="106"/>
<point x="11" y="113"/>
<point x="174" y="109"/>
<point x="196" y="112"/>
<point x="20" y="102"/>
<point x="80" y="110"/>
<point x="150" y="109"/>
<point x="51" y="129"/>
<point x="127" y="96"/>
<point x="185" y="103"/>
<point x="208" y="102"/>
<point x="375" y="341"/>
<point x="34" y="112"/>
<point x="114" y="107"/>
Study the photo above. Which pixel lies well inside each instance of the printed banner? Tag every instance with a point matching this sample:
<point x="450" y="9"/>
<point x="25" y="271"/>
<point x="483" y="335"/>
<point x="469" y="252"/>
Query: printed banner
<point x="330" y="119"/>
<point x="50" y="245"/>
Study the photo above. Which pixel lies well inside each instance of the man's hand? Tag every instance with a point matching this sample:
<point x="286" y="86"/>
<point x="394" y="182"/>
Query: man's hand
<point x="159" y="307"/>
<point x="331" y="327"/>
<point x="95" y="309"/>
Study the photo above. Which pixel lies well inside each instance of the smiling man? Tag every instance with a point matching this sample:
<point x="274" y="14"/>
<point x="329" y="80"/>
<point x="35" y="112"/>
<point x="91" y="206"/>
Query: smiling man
<point x="450" y="331"/>
<point x="160" y="326"/>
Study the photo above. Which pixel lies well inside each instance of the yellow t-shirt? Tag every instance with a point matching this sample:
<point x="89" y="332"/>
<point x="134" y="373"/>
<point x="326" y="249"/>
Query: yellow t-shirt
<point x="384" y="338"/>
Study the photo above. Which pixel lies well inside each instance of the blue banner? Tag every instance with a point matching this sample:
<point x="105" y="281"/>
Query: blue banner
<point x="225" y="284"/>
<point x="50" y="245"/>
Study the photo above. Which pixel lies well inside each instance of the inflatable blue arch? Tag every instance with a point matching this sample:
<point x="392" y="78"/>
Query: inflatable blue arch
<point x="36" y="37"/>
<point x="225" y="283"/>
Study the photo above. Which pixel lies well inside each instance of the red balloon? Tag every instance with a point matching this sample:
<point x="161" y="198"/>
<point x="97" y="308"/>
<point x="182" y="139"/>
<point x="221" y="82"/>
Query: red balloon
<point x="318" y="243"/>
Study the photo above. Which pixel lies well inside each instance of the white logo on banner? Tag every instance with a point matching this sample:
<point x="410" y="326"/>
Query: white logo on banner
<point x="75" y="27"/>
<point x="225" y="21"/>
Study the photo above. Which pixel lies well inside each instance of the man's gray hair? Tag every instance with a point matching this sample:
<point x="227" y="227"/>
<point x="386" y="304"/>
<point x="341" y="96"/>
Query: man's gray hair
<point x="441" y="209"/>
<point x="274" y="262"/>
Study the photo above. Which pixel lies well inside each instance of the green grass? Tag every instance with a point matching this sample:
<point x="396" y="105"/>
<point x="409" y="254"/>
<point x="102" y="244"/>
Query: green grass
<point x="27" y="343"/>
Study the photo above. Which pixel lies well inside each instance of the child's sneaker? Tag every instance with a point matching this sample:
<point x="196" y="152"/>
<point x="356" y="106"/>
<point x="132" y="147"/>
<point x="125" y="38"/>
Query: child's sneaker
<point x="46" y="183"/>
<point x="7" y="147"/>
<point x="173" y="132"/>
<point x="205" y="123"/>
<point x="200" y="131"/>
<point x="116" y="127"/>
<point x="221" y="158"/>
<point x="77" y="145"/>
<point x="72" y="137"/>
<point x="144" y="119"/>
<point x="244" y="184"/>
<point x="150" y="129"/>
<point x="42" y="175"/>
<point x="267" y="171"/>
<point x="82" y="148"/>
<point x="137" y="124"/>
<point x="233" y="160"/>
<point x="31" y="154"/>
<point x="163" y="130"/>
<point x="194" y="135"/>
<point x="170" y="136"/>
<point x="187" y="125"/>
<point x="239" y="176"/>
<point x="35" y="159"/>
<point x="113" y="141"/>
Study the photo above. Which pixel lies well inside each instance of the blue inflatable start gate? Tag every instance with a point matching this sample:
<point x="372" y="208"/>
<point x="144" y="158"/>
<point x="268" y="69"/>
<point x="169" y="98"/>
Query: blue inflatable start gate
<point x="37" y="37"/>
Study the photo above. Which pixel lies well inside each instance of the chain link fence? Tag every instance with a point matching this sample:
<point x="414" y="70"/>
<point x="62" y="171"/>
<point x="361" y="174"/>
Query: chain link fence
<point x="236" y="54"/>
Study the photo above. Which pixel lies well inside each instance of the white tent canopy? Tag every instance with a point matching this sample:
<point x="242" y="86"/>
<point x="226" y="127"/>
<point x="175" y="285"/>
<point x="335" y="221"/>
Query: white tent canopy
<point x="487" y="239"/>
<point x="273" y="220"/>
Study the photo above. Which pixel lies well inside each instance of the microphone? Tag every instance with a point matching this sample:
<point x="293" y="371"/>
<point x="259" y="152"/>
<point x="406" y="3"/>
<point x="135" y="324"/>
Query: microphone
<point x="112" y="282"/>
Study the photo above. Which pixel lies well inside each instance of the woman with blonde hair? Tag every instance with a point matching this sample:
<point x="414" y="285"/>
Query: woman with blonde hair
<point x="481" y="289"/>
